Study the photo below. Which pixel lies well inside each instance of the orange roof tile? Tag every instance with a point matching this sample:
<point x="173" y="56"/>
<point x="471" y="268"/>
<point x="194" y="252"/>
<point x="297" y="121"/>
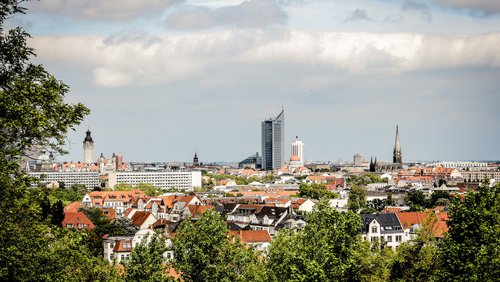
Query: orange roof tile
<point x="140" y="217"/>
<point x="407" y="219"/>
<point x="252" y="236"/>
<point x="77" y="220"/>
<point x="73" y="207"/>
<point x="195" y="210"/>
<point x="123" y="246"/>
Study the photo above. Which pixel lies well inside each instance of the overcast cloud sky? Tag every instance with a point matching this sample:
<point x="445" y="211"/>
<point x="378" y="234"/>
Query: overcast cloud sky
<point x="166" y="78"/>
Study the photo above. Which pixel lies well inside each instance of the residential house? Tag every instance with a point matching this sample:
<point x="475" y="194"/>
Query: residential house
<point x="259" y="239"/>
<point x="77" y="220"/>
<point x="383" y="228"/>
<point x="142" y="219"/>
<point x="268" y="218"/>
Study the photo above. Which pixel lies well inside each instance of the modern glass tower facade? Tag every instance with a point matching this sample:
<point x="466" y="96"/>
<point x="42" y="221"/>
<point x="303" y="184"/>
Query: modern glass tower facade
<point x="273" y="138"/>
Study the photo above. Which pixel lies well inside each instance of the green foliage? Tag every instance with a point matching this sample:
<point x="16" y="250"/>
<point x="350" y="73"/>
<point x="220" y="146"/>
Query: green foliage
<point x="377" y="204"/>
<point x="418" y="260"/>
<point x="146" y="260"/>
<point x="57" y="212"/>
<point x="323" y="251"/>
<point x="438" y="197"/>
<point x="316" y="191"/>
<point x="33" y="114"/>
<point x="356" y="199"/>
<point x="68" y="259"/>
<point x="203" y="252"/>
<point x="103" y="226"/>
<point x="364" y="179"/>
<point x="470" y="252"/>
<point x="416" y="200"/>
<point x="148" y="189"/>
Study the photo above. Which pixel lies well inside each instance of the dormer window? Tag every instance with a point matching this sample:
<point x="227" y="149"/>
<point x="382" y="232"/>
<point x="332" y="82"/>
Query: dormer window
<point x="374" y="229"/>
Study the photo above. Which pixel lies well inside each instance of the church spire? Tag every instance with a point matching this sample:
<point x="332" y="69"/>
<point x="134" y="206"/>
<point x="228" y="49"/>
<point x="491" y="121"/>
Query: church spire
<point x="397" y="157"/>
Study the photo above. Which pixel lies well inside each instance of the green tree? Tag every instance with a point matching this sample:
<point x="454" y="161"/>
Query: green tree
<point x="418" y="260"/>
<point x="80" y="189"/>
<point x="68" y="259"/>
<point x="356" y="199"/>
<point x="316" y="191"/>
<point x="146" y="260"/>
<point x="416" y="200"/>
<point x="438" y="197"/>
<point x="103" y="225"/>
<point x="203" y="252"/>
<point x="57" y="212"/>
<point x="470" y="252"/>
<point x="323" y="251"/>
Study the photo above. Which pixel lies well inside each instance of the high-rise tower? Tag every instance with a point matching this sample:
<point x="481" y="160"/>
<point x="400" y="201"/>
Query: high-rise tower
<point x="298" y="149"/>
<point x="273" y="139"/>
<point x="88" y="147"/>
<point x="397" y="157"/>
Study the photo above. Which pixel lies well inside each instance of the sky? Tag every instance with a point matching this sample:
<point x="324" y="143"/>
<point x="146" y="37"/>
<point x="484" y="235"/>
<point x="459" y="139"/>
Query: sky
<point x="166" y="78"/>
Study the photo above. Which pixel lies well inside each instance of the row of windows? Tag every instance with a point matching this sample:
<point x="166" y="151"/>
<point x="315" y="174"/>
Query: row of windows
<point x="398" y="238"/>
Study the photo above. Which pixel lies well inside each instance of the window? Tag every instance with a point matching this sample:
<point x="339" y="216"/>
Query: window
<point x="389" y="239"/>
<point x="374" y="229"/>
<point x="398" y="238"/>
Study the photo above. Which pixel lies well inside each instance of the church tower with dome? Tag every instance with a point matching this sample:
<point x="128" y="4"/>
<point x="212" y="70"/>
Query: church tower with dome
<point x="88" y="147"/>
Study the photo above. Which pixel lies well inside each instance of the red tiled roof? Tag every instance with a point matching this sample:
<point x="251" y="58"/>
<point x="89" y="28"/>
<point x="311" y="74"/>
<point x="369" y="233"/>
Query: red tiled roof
<point x="140" y="217"/>
<point x="73" y="207"/>
<point x="252" y="236"/>
<point x="276" y="200"/>
<point x="407" y="219"/>
<point x="195" y="210"/>
<point x="77" y="220"/>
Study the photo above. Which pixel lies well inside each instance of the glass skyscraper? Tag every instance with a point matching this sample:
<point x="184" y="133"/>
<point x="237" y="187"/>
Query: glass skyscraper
<point x="273" y="142"/>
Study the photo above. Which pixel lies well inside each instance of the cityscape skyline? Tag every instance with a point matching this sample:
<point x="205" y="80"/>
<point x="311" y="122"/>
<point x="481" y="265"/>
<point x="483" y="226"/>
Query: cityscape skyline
<point x="162" y="82"/>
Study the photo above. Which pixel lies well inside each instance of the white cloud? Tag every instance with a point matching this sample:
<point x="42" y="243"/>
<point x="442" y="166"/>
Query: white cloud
<point x="146" y="60"/>
<point x="108" y="10"/>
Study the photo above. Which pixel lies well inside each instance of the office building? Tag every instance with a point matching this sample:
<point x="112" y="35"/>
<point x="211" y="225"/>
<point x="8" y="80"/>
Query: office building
<point x="88" y="178"/>
<point x="273" y="139"/>
<point x="162" y="179"/>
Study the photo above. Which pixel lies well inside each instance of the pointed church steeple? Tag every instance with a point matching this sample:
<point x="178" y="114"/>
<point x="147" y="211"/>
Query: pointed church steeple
<point x="397" y="156"/>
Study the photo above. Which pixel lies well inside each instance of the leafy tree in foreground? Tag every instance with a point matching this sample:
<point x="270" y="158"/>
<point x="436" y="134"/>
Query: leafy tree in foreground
<point x="32" y="113"/>
<point x="146" y="260"/>
<point x="204" y="252"/>
<point x="418" y="260"/>
<point x="471" y="251"/>
<point x="325" y="250"/>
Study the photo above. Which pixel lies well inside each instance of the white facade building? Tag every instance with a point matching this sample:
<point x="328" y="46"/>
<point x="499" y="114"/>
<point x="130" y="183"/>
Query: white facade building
<point x="88" y="178"/>
<point x="165" y="180"/>
<point x="298" y="150"/>
<point x="461" y="165"/>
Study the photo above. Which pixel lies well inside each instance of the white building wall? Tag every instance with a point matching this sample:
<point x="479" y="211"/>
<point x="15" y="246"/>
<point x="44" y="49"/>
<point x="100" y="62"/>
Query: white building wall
<point x="298" y="150"/>
<point x="88" y="178"/>
<point x="164" y="180"/>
